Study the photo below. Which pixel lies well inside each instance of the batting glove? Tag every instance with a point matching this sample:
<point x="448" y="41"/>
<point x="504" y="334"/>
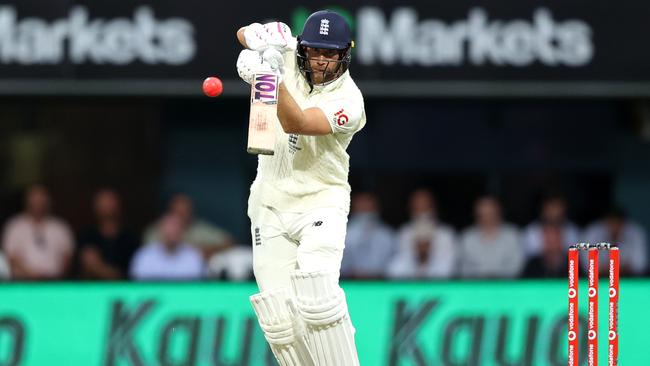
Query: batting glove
<point x="248" y="63"/>
<point x="257" y="37"/>
<point x="279" y="37"/>
<point x="275" y="59"/>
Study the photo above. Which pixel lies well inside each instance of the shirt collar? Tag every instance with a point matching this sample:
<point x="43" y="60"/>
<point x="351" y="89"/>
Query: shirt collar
<point x="333" y="85"/>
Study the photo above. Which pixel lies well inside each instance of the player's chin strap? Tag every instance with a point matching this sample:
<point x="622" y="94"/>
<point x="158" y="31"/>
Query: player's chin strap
<point x="321" y="304"/>
<point x="282" y="327"/>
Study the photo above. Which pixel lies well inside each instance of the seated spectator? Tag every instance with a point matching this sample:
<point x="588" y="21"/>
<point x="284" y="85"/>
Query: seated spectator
<point x="552" y="261"/>
<point x="554" y="211"/>
<point x="5" y="274"/>
<point x="615" y="228"/>
<point x="169" y="258"/>
<point x="38" y="245"/>
<point x="206" y="237"/>
<point x="490" y="248"/>
<point x="426" y="248"/>
<point x="107" y="246"/>
<point x="370" y="243"/>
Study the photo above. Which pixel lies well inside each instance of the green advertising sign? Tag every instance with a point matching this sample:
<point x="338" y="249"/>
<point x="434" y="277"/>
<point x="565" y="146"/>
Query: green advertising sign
<point x="410" y="324"/>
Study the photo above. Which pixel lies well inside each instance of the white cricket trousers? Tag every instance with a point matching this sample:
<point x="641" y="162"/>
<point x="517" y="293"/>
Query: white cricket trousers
<point x="286" y="241"/>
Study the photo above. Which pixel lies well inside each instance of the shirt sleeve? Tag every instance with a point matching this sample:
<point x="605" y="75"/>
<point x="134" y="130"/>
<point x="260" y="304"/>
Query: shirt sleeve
<point x="9" y="242"/>
<point x="135" y="268"/>
<point x="514" y="261"/>
<point x="400" y="267"/>
<point x="344" y="115"/>
<point x="443" y="264"/>
<point x="290" y="54"/>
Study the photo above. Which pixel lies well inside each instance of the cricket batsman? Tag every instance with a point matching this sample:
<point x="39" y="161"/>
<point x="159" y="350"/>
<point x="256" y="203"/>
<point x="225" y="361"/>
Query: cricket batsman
<point x="299" y="201"/>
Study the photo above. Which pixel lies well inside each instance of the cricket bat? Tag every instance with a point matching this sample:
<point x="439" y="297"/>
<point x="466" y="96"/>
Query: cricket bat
<point x="263" y="114"/>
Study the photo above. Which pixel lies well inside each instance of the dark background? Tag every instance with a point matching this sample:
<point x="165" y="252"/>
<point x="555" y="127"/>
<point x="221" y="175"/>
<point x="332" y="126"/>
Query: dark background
<point x="517" y="132"/>
<point x="594" y="152"/>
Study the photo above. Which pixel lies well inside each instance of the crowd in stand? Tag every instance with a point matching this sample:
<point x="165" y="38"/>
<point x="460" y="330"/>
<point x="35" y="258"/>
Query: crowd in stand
<point x="425" y="248"/>
<point x="180" y="246"/>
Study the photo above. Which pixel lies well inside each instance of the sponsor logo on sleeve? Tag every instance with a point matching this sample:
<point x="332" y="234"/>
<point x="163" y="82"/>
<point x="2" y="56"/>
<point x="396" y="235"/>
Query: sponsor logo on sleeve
<point x="341" y="117"/>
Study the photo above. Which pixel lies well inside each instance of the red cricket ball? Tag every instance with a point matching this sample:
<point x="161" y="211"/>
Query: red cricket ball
<point x="212" y="86"/>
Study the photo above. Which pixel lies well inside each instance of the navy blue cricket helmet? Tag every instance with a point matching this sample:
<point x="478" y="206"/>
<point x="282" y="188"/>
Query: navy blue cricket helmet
<point x="325" y="29"/>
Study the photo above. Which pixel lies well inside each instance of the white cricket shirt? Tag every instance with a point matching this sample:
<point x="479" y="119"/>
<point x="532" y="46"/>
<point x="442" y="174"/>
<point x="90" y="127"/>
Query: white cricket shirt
<point x="309" y="172"/>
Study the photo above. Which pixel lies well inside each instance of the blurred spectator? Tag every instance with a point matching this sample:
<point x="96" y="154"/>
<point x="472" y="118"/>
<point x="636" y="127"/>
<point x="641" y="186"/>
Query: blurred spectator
<point x="554" y="211"/>
<point x="206" y="237"/>
<point x="107" y="246"/>
<point x="5" y="274"/>
<point x="490" y="248"/>
<point x="169" y="258"/>
<point x="233" y="264"/>
<point x="38" y="246"/>
<point x="551" y="262"/>
<point x="370" y="243"/>
<point x="426" y="248"/>
<point x="615" y="228"/>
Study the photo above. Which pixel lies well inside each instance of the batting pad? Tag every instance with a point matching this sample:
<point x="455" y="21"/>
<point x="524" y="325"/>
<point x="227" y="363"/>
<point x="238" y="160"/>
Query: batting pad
<point x="282" y="328"/>
<point x="321" y="304"/>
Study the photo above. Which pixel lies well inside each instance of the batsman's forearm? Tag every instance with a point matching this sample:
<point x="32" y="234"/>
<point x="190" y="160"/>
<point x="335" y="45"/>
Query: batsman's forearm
<point x="290" y="114"/>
